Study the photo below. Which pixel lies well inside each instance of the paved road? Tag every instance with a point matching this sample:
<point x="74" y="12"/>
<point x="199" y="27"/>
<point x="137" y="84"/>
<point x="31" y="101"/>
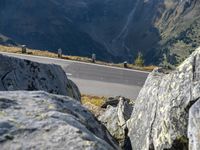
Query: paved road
<point x="97" y="79"/>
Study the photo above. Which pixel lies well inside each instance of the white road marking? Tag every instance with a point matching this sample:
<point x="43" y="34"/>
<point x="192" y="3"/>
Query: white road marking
<point x="68" y="74"/>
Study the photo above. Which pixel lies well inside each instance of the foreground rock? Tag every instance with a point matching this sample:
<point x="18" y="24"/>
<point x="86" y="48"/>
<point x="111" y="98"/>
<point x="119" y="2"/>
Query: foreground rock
<point x="38" y="120"/>
<point x="194" y="126"/>
<point x="115" y="117"/>
<point x="18" y="74"/>
<point x="160" y="116"/>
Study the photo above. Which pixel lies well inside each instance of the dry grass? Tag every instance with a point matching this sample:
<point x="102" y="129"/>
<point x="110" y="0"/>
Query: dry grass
<point x="93" y="104"/>
<point x="132" y="66"/>
<point x="94" y="100"/>
<point x="67" y="57"/>
<point x="10" y="49"/>
<point x="42" y="53"/>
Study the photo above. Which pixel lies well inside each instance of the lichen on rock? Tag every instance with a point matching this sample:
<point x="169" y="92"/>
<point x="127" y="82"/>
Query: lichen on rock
<point x="115" y="116"/>
<point x="19" y="74"/>
<point x="39" y="120"/>
<point x="160" y="116"/>
<point x="194" y="126"/>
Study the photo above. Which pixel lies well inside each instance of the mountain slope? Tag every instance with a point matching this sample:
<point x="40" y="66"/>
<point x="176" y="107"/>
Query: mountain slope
<point x="114" y="30"/>
<point x="179" y="26"/>
<point x="43" y="25"/>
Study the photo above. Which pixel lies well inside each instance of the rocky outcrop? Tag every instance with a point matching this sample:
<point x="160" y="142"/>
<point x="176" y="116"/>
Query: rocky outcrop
<point x="194" y="127"/>
<point x="160" y="116"/>
<point x="18" y="74"/>
<point x="115" y="117"/>
<point x="39" y="120"/>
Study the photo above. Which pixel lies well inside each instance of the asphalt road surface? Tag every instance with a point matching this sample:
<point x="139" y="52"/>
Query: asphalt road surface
<point x="96" y="79"/>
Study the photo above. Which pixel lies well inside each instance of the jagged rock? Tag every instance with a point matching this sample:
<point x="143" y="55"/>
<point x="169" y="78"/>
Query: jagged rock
<point x="194" y="126"/>
<point x="39" y="120"/>
<point x="160" y="116"/>
<point x="114" y="118"/>
<point x="19" y="74"/>
<point x="112" y="101"/>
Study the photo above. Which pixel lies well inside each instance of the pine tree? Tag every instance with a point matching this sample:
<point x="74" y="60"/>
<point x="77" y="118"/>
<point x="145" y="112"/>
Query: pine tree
<point x="139" y="61"/>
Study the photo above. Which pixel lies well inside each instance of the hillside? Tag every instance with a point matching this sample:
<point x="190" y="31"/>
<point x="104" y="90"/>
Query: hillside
<point x="114" y="30"/>
<point x="179" y="26"/>
<point x="45" y="112"/>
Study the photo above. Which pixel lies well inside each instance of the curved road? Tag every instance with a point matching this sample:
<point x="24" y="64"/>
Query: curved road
<point x="96" y="79"/>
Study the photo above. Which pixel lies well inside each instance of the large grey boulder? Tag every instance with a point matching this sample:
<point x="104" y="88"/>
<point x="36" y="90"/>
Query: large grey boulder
<point x="160" y="116"/>
<point x="19" y="74"/>
<point x="194" y="126"/>
<point x="39" y="120"/>
<point x="115" y="117"/>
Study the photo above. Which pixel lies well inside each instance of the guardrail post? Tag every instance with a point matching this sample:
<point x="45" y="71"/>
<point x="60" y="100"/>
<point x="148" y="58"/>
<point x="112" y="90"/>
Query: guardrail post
<point x="59" y="53"/>
<point x="23" y="49"/>
<point x="125" y="64"/>
<point x="93" y="58"/>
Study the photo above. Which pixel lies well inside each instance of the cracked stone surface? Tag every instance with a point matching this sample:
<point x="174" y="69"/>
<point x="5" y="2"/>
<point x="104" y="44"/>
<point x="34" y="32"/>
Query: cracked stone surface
<point x="194" y="126"/>
<point x="39" y="120"/>
<point x="160" y="116"/>
<point x="19" y="74"/>
<point x="115" y="117"/>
